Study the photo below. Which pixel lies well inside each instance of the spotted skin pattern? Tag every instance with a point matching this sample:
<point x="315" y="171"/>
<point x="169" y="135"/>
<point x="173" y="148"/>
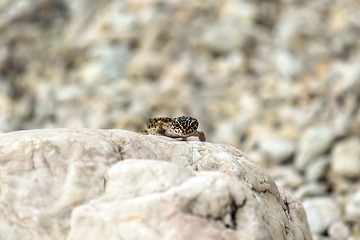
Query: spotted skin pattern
<point x="179" y="127"/>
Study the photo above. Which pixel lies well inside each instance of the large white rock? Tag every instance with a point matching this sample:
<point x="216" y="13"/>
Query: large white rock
<point x="52" y="187"/>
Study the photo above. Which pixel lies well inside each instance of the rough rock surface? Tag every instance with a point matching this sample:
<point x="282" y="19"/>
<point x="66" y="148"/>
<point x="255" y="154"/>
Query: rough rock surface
<point x="55" y="184"/>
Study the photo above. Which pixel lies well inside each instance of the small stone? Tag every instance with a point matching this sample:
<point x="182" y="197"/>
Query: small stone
<point x="321" y="212"/>
<point x="317" y="169"/>
<point x="225" y="132"/>
<point x="246" y="11"/>
<point x="310" y="190"/>
<point x="352" y="208"/>
<point x="315" y="141"/>
<point x="288" y="65"/>
<point x="223" y="37"/>
<point x="286" y="177"/>
<point x="108" y="63"/>
<point x="277" y="149"/>
<point x="146" y="64"/>
<point x="339" y="231"/>
<point x="345" y="159"/>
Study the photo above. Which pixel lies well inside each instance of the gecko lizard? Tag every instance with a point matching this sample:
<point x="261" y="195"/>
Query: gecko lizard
<point x="179" y="127"/>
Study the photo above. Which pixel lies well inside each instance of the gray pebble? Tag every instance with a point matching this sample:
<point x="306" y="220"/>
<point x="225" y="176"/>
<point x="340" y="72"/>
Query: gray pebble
<point x="345" y="159"/>
<point x="314" y="141"/>
<point x="321" y="213"/>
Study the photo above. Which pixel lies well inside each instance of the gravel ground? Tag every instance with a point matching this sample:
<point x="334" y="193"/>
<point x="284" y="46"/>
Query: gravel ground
<point x="279" y="80"/>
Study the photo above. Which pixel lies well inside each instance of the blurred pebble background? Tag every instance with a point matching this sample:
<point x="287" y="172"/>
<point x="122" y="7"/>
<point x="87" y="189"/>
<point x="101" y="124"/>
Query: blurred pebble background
<point x="279" y="80"/>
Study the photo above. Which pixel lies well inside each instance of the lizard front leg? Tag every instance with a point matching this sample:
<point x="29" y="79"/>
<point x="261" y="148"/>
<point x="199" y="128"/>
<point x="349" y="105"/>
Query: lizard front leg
<point x="201" y="136"/>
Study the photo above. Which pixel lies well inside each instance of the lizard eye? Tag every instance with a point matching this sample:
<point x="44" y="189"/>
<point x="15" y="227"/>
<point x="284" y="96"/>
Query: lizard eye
<point x="194" y="124"/>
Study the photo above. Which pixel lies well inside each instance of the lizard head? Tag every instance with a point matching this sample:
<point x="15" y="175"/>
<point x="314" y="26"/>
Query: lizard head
<point x="184" y="124"/>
